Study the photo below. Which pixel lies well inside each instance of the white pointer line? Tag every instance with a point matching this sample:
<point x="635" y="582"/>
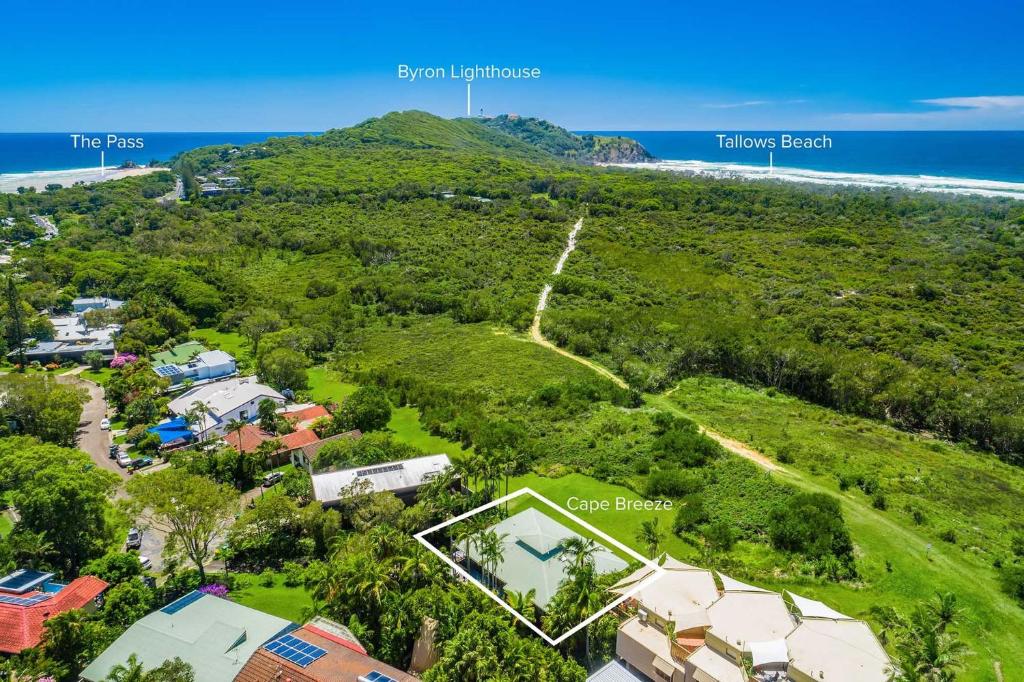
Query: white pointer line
<point x="469" y="99"/>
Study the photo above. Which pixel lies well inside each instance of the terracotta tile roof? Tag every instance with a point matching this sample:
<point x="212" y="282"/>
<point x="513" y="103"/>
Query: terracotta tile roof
<point x="21" y="627"/>
<point x="296" y="439"/>
<point x="341" y="663"/>
<point x="306" y="415"/>
<point x="251" y="437"/>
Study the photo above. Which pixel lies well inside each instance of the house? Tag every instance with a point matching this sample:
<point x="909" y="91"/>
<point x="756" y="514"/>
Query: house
<point x="212" y="634"/>
<point x="251" y="437"/>
<point x="81" y="305"/>
<point x="532" y="557"/>
<point x="403" y="478"/>
<point x="305" y="456"/>
<point x="615" y="671"/>
<point x="320" y="651"/>
<point x="29" y="598"/>
<point x="222" y="402"/>
<point x="739" y="633"/>
<point x="48" y="351"/>
<point x="192" y="362"/>
<point x="304" y="416"/>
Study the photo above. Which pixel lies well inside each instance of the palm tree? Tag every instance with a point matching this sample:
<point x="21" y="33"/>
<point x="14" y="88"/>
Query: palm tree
<point x="492" y="550"/>
<point x="416" y="564"/>
<point x="523" y="603"/>
<point x="581" y="553"/>
<point x="235" y="426"/>
<point x="944" y="608"/>
<point x="127" y="672"/>
<point x="196" y="414"/>
<point x="650" y="536"/>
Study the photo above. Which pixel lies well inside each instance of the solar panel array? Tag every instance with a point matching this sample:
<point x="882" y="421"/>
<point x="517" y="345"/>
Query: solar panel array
<point x="380" y="470"/>
<point x="24" y="601"/>
<point x="179" y="604"/>
<point x="378" y="677"/>
<point x="167" y="370"/>
<point x="293" y="649"/>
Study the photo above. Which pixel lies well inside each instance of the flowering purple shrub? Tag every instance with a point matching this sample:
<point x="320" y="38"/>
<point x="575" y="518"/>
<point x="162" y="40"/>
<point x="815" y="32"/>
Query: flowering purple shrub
<point x="215" y="590"/>
<point x="122" y="360"/>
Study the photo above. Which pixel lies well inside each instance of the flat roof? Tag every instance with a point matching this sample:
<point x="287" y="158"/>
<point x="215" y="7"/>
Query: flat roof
<point x="682" y="590"/>
<point x="180" y="354"/>
<point x="716" y="665"/>
<point x="533" y="557"/>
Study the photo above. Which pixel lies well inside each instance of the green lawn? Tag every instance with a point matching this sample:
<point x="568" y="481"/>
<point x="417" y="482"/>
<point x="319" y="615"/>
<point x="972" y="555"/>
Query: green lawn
<point x="279" y="600"/>
<point x="229" y="342"/>
<point x="325" y="386"/>
<point x="5" y="524"/>
<point x="901" y="564"/>
<point x="100" y="376"/>
<point x="405" y="423"/>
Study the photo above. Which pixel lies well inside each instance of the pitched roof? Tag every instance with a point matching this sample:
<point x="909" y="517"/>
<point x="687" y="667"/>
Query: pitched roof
<point x="392" y="476"/>
<point x="223" y="396"/>
<point x="21" y="627"/>
<point x="215" y="636"/>
<point x="340" y="662"/>
<point x="251" y="436"/>
<point x="682" y="593"/>
<point x="306" y="415"/>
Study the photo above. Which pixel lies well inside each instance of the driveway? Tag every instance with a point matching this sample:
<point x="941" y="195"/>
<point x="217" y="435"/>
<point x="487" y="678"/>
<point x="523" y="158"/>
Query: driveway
<point x="91" y="438"/>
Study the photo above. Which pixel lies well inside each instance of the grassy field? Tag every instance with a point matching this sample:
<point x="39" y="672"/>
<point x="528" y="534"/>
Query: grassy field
<point x="5" y="525"/>
<point x="229" y="342"/>
<point x="901" y="562"/>
<point x="325" y="386"/>
<point x="279" y="600"/>
<point x="405" y="423"/>
<point x="468" y="356"/>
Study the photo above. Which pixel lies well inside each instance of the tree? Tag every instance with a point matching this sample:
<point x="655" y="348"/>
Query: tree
<point x="269" y="419"/>
<point x="114" y="568"/>
<point x="650" y="536"/>
<point x="94" y="359"/>
<point x="192" y="510"/>
<point x="173" y="670"/>
<point x="126" y="603"/>
<point x="71" y="640"/>
<point x="367" y="409"/>
<point x="811" y="523"/>
<point x="258" y="323"/>
<point x="284" y="368"/>
<point x="14" y="311"/>
<point x="40" y="406"/>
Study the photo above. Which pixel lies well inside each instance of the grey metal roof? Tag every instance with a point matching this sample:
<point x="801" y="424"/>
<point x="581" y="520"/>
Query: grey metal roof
<point x="615" y="671"/>
<point x="216" y="636"/>
<point x="387" y="476"/>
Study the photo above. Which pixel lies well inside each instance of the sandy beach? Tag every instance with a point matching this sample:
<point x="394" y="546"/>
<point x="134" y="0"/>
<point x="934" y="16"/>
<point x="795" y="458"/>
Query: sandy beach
<point x="10" y="182"/>
<point x="919" y="183"/>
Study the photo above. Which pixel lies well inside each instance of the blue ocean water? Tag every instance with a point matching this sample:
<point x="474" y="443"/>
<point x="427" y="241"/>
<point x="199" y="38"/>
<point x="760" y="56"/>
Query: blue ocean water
<point x="26" y="152"/>
<point x="983" y="155"/>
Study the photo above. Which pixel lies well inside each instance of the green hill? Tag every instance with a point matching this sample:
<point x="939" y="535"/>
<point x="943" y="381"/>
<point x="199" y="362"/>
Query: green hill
<point x="560" y="142"/>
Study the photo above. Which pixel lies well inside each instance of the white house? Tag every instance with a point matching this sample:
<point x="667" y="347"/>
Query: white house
<point x="206" y="366"/>
<point x="81" y="305"/>
<point x="402" y="478"/>
<point x="223" y="402"/>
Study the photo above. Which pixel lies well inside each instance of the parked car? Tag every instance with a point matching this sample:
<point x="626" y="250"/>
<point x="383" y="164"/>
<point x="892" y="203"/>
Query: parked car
<point x="105" y="424"/>
<point x="114" y="451"/>
<point x="146" y="562"/>
<point x="123" y="459"/>
<point x="140" y="462"/>
<point x="134" y="540"/>
<point x="272" y="478"/>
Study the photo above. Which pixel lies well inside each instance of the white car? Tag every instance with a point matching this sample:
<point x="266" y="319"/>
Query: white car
<point x="123" y="460"/>
<point x="146" y="563"/>
<point x="105" y="424"/>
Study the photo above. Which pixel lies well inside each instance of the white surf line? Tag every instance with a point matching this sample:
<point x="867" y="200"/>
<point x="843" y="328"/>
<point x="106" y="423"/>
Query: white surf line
<point x="570" y="246"/>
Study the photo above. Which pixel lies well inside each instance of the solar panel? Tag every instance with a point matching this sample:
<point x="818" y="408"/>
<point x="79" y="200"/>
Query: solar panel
<point x="24" y="601"/>
<point x="293" y="649"/>
<point x="179" y="604"/>
<point x="380" y="470"/>
<point x="377" y="676"/>
<point x="167" y="370"/>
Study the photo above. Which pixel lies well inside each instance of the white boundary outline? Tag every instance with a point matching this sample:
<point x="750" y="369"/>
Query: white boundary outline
<point x="658" y="570"/>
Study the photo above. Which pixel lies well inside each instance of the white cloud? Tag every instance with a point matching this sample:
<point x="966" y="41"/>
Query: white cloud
<point x="981" y="102"/>
<point x="735" y="105"/>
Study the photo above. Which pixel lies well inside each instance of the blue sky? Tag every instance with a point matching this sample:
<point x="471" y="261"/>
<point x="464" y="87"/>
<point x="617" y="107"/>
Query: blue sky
<point x="256" y="65"/>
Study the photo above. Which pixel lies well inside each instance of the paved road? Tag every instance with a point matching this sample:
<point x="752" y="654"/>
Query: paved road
<point x="91" y="438"/>
<point x="44" y="223"/>
<point x="175" y="194"/>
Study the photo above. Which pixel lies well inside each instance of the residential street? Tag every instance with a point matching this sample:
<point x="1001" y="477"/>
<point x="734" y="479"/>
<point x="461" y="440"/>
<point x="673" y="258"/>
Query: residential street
<point x="91" y="438"/>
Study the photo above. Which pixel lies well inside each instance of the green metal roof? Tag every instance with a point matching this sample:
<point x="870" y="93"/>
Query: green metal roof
<point x="178" y="355"/>
<point x="216" y="636"/>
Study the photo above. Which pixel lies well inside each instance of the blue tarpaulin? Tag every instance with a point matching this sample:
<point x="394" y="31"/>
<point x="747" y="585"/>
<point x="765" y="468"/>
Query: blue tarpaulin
<point x="176" y="429"/>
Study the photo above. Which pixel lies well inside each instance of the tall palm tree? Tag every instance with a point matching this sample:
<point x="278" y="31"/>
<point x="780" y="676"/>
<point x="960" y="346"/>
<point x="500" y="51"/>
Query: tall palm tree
<point x="581" y="553"/>
<point x="492" y="552"/>
<point x="196" y="414"/>
<point x="650" y="537"/>
<point x="523" y="603"/>
<point x="944" y="609"/>
<point x="235" y="426"/>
